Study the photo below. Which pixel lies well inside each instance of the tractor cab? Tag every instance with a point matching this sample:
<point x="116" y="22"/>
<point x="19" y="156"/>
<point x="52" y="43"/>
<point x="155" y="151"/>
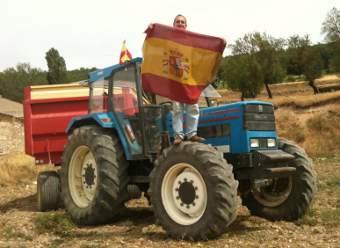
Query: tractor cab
<point x="116" y="95"/>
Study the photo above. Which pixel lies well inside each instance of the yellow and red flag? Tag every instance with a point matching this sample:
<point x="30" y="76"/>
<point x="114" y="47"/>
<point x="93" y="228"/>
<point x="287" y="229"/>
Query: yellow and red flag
<point x="179" y="64"/>
<point x="125" y="54"/>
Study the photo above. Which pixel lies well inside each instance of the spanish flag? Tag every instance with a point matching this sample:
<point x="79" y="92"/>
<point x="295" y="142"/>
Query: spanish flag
<point x="125" y="55"/>
<point x="179" y="64"/>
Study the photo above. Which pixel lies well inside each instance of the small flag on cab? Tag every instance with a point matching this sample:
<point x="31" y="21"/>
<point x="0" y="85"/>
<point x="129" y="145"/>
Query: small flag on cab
<point x="125" y="54"/>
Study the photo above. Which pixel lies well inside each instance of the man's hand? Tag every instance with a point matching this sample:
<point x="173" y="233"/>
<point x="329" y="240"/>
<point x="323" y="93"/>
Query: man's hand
<point x="150" y="26"/>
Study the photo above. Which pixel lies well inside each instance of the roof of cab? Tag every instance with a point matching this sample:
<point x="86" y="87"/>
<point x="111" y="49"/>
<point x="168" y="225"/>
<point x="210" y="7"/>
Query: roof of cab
<point x="106" y="72"/>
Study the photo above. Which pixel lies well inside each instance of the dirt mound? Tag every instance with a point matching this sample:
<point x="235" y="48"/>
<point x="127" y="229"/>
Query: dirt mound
<point x="315" y="129"/>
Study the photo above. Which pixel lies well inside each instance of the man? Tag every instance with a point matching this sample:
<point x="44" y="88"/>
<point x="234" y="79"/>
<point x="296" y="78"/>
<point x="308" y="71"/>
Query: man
<point x="192" y="110"/>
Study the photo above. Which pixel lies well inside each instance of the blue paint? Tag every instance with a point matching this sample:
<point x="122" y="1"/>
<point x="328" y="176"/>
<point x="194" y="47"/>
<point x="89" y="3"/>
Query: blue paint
<point x="130" y="148"/>
<point x="107" y="72"/>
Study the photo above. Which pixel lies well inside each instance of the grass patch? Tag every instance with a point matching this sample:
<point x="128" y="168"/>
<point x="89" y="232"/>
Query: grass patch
<point x="334" y="182"/>
<point x="56" y="223"/>
<point x="11" y="233"/>
<point x="56" y="243"/>
<point x="309" y="219"/>
<point x="323" y="133"/>
<point x="289" y="127"/>
<point x="331" y="216"/>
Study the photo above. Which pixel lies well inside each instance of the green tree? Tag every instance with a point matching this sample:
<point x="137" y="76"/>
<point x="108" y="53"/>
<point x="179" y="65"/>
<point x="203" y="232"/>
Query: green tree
<point x="56" y="67"/>
<point x="335" y="60"/>
<point x="331" y="29"/>
<point x="79" y="74"/>
<point x="243" y="73"/>
<point x="13" y="80"/>
<point x="313" y="65"/>
<point x="264" y="52"/>
<point x="331" y="25"/>
<point x="296" y="46"/>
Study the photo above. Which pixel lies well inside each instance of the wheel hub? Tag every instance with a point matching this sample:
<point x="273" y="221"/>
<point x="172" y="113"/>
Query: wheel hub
<point x="274" y="192"/>
<point x="188" y="191"/>
<point x="82" y="176"/>
<point x="89" y="175"/>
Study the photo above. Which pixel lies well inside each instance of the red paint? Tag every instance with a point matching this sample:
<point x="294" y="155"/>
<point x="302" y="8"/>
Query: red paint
<point x="171" y="89"/>
<point x="186" y="38"/>
<point x="46" y="122"/>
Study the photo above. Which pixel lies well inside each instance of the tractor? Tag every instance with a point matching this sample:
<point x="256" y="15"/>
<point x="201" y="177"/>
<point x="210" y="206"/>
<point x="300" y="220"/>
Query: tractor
<point x="123" y="148"/>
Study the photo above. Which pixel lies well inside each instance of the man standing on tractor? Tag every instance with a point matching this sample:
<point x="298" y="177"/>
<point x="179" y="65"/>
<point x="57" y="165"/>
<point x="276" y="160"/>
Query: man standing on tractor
<point x="179" y="107"/>
<point x="192" y="110"/>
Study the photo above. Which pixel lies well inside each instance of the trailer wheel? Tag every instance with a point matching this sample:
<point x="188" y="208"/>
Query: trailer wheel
<point x="93" y="176"/>
<point x="193" y="191"/>
<point x="286" y="198"/>
<point x="48" y="191"/>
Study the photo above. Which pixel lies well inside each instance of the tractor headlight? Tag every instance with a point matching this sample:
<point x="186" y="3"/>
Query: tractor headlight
<point x="271" y="143"/>
<point x="254" y="143"/>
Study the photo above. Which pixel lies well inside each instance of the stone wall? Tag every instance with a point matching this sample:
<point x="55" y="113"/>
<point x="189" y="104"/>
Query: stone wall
<point x="11" y="135"/>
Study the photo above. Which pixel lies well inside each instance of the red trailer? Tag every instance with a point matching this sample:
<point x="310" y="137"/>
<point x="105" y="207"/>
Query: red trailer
<point x="47" y="112"/>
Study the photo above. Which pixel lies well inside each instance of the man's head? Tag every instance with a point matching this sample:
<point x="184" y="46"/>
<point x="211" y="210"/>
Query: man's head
<point x="180" y="22"/>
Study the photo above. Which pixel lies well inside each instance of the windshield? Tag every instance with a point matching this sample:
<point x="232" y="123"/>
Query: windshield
<point x="98" y="96"/>
<point x="210" y="91"/>
<point x="125" y="92"/>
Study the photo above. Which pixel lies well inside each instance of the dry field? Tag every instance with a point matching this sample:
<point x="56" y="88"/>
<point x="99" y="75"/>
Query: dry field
<point x="313" y="123"/>
<point x="22" y="226"/>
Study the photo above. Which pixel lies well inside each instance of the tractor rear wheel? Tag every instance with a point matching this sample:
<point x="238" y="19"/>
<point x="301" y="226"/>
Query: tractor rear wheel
<point x="285" y="198"/>
<point x="93" y="176"/>
<point x="193" y="191"/>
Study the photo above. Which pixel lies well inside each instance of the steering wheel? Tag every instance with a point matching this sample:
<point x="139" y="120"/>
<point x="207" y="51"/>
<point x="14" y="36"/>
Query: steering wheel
<point x="167" y="104"/>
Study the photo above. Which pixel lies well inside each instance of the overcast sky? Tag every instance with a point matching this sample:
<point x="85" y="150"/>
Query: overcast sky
<point x="90" y="33"/>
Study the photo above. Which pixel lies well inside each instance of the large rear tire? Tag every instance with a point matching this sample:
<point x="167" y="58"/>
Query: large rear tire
<point x="286" y="198"/>
<point x="193" y="191"/>
<point x="93" y="176"/>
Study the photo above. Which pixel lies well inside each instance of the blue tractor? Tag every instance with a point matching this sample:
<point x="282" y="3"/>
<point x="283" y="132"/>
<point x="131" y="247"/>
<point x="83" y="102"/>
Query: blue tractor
<point x="123" y="147"/>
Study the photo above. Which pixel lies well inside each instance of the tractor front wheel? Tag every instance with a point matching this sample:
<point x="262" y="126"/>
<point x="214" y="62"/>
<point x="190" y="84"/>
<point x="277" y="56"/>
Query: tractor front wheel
<point x="285" y="198"/>
<point x="193" y="191"/>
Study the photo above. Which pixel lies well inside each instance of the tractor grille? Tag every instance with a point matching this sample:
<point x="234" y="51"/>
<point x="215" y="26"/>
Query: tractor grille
<point x="214" y="131"/>
<point x="259" y="117"/>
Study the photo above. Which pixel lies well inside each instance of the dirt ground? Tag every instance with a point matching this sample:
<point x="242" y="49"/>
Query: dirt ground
<point x="22" y="226"/>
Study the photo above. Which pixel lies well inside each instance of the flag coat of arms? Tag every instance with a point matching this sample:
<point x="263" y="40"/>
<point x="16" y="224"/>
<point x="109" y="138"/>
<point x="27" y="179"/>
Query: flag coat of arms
<point x="179" y="64"/>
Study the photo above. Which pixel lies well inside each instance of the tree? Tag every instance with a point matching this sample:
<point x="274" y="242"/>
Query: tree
<point x="331" y="29"/>
<point x="302" y="58"/>
<point x="312" y="68"/>
<point x="296" y="46"/>
<point x="243" y="73"/>
<point x="335" y="60"/>
<point x="264" y="52"/>
<point x="13" y="80"/>
<point x="79" y="74"/>
<point x="331" y="25"/>
<point x="56" y="67"/>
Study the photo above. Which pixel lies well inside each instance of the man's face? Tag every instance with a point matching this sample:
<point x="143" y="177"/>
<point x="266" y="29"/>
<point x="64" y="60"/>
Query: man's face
<point x="180" y="22"/>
